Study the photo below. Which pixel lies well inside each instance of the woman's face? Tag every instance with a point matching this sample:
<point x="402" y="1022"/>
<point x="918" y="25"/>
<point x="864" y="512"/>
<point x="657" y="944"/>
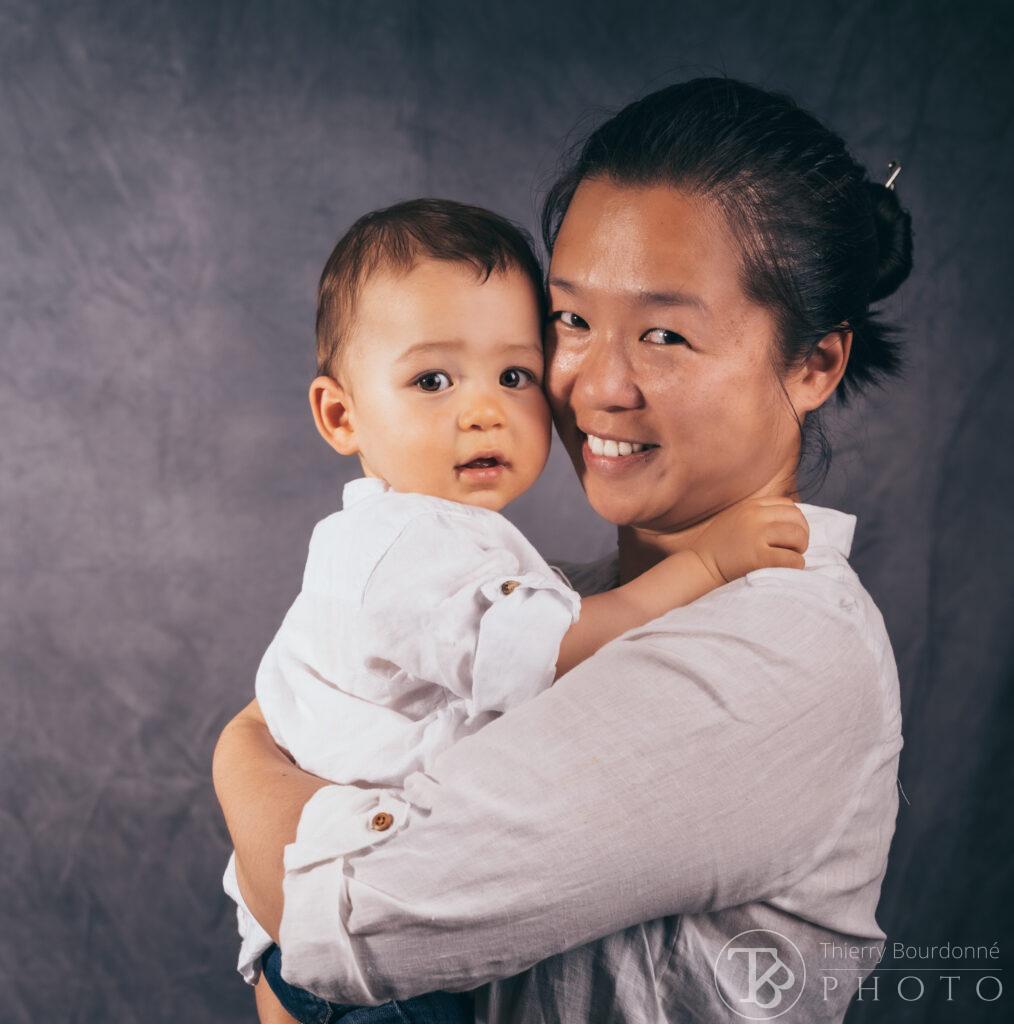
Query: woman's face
<point x="652" y="342"/>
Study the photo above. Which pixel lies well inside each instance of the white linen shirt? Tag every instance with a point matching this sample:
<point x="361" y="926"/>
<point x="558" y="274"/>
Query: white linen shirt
<point x="595" y="853"/>
<point x="419" y="621"/>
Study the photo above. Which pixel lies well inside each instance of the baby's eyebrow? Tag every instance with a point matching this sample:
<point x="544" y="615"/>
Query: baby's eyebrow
<point x="524" y="347"/>
<point x="430" y="346"/>
<point x="422" y="347"/>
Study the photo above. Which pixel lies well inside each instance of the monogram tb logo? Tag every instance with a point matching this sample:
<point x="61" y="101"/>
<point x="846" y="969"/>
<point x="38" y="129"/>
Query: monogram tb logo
<point x="760" y="974"/>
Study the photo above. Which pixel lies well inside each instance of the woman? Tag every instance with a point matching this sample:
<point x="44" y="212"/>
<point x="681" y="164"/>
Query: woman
<point x="697" y="819"/>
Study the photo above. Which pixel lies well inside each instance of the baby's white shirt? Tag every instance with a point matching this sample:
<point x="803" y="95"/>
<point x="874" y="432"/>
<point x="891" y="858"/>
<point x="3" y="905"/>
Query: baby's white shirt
<point x="419" y="621"/>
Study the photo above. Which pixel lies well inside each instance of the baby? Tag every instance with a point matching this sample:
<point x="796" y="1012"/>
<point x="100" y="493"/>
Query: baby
<point x="424" y="614"/>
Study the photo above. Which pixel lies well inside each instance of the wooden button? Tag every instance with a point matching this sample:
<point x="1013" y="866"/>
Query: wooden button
<point x="381" y="821"/>
<point x="509" y="586"/>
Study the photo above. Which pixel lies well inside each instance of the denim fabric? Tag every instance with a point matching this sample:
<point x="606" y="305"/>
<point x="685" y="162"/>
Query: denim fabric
<point x="432" y="1008"/>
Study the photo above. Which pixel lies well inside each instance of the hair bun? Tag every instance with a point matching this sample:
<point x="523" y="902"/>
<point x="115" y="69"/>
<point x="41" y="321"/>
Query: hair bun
<point x="894" y="241"/>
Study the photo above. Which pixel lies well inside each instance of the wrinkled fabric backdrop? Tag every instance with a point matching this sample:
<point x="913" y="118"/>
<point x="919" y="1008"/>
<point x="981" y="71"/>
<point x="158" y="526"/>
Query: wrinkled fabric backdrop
<point x="172" y="177"/>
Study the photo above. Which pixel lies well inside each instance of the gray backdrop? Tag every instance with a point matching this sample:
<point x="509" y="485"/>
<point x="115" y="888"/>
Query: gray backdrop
<point x="172" y="176"/>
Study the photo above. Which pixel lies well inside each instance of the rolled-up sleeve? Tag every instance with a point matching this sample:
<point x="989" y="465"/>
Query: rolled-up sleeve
<point x="451" y="604"/>
<point x="337" y="823"/>
<point x="704" y="760"/>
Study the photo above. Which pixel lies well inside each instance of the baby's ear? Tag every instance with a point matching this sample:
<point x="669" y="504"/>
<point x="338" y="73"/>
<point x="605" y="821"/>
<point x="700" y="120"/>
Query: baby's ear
<point x="332" y="407"/>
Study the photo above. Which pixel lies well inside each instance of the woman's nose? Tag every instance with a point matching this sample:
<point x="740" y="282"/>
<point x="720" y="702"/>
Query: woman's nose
<point x="481" y="411"/>
<point x="604" y="377"/>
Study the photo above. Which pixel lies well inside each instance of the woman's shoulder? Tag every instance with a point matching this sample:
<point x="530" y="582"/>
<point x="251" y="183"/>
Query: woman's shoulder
<point x="828" y="589"/>
<point x="815" y="629"/>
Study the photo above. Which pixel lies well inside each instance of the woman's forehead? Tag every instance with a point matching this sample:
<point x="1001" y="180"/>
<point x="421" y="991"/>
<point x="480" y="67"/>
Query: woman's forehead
<point x="631" y="239"/>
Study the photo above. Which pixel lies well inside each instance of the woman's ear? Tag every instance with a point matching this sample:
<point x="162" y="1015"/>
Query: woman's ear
<point x="332" y="411"/>
<point x="815" y="381"/>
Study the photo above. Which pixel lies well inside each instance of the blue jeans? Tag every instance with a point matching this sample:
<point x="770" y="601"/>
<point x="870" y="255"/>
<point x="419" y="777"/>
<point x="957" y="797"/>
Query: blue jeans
<point x="432" y="1008"/>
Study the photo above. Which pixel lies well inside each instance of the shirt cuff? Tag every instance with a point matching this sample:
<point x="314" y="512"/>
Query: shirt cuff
<point x="519" y="638"/>
<point x="337" y="821"/>
<point x="254" y="939"/>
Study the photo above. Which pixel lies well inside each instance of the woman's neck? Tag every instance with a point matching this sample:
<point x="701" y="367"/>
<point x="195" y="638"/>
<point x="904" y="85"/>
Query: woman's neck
<point x="642" y="547"/>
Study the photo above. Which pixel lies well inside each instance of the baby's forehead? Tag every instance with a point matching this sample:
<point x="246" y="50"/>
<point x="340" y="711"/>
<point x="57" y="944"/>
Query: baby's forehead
<point x="440" y="300"/>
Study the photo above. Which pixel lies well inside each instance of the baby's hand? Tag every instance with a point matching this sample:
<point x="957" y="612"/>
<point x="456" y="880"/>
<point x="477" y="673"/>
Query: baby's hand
<point x="758" y="533"/>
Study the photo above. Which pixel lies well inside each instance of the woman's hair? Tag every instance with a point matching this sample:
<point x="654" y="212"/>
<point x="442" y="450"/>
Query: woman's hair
<point x="820" y="241"/>
<point x="397" y="238"/>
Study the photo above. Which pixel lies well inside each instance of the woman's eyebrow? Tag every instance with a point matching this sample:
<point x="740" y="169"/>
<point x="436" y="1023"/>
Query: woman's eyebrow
<point x="667" y="297"/>
<point x="670" y="298"/>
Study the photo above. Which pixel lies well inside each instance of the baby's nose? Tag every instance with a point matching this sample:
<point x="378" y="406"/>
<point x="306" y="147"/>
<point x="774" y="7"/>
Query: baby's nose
<point x="483" y="412"/>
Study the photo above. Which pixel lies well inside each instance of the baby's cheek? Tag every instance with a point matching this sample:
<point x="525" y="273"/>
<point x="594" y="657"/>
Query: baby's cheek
<point x="542" y="425"/>
<point x="536" y="454"/>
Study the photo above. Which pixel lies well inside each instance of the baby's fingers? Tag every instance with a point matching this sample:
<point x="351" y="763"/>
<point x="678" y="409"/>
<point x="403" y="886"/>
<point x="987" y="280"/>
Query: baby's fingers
<point x="784" y="509"/>
<point x="786" y="533"/>
<point x="784" y="558"/>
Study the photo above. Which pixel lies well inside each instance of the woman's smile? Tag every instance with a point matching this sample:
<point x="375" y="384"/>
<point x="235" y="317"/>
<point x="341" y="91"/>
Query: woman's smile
<point x="662" y="433"/>
<point x="614" y="446"/>
<point x="610" y="457"/>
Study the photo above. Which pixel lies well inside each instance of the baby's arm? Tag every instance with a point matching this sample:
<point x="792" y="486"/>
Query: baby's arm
<point x="758" y="533"/>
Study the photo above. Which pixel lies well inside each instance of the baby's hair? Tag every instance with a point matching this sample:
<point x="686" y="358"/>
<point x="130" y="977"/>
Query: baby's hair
<point x="396" y="239"/>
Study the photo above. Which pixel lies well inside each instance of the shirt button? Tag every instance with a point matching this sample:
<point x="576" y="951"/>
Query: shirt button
<point x="509" y="586"/>
<point x="381" y="821"/>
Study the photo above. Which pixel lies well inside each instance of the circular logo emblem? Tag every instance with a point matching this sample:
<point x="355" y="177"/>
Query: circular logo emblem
<point x="760" y="974"/>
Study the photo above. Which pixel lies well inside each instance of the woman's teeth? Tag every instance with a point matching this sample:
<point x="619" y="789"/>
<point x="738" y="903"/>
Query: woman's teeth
<point x="602" y="446"/>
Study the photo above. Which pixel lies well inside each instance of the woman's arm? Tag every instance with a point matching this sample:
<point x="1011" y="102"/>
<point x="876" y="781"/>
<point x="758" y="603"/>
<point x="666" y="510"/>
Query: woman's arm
<point x="262" y="794"/>
<point x="707" y="760"/>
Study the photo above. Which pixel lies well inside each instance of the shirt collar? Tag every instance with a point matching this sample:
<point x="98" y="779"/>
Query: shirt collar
<point x="358" y="490"/>
<point x="829" y="528"/>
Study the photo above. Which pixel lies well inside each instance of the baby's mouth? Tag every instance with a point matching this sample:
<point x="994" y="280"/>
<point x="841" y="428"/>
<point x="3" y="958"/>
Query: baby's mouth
<point x="484" y="460"/>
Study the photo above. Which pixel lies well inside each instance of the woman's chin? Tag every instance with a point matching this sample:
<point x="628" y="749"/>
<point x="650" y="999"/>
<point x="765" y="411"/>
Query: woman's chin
<point x="616" y="505"/>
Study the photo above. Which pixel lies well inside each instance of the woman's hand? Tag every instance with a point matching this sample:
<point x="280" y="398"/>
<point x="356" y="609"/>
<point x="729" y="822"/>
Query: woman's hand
<point x="262" y="794"/>
<point x="758" y="533"/>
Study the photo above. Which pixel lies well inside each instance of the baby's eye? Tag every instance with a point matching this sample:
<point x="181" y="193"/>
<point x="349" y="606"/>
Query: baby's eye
<point x="516" y="377"/>
<point x="569" y="319"/>
<point x="661" y="336"/>
<point x="433" y="380"/>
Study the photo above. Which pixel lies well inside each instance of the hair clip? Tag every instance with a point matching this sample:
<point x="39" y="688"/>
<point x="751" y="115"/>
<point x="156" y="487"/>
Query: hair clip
<point x="895" y="169"/>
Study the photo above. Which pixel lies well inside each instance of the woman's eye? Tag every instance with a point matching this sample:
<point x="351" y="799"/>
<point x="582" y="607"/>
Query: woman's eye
<point x="661" y="336"/>
<point x="435" y="380"/>
<point x="515" y="377"/>
<point x="569" y="319"/>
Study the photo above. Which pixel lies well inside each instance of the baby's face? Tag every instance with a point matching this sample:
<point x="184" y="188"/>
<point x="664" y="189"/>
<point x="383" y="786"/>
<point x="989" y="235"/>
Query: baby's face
<point x="445" y="373"/>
